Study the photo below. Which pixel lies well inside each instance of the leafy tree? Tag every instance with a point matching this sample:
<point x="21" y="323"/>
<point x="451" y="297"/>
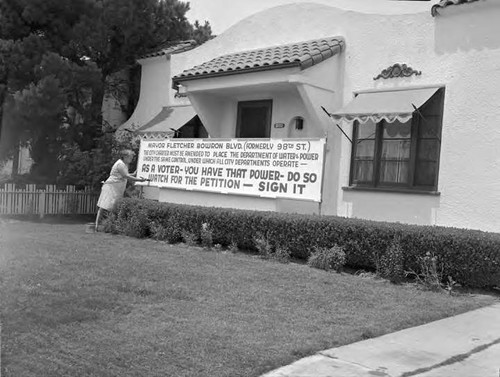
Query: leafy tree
<point x="43" y="93"/>
<point x="202" y="33"/>
<point x="55" y="57"/>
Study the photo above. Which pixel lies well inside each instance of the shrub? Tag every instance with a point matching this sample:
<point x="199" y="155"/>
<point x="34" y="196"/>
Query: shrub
<point x="233" y="247"/>
<point x="431" y="274"/>
<point x="319" y="259"/>
<point x="281" y="254"/>
<point x="189" y="238"/>
<point x="338" y="258"/>
<point x="109" y="224"/>
<point x="172" y="231"/>
<point x="158" y="231"/>
<point x="206" y="236"/>
<point x="471" y="257"/>
<point x="263" y="246"/>
<point x="391" y="263"/>
<point x="431" y="271"/>
<point x="132" y="222"/>
<point x="327" y="259"/>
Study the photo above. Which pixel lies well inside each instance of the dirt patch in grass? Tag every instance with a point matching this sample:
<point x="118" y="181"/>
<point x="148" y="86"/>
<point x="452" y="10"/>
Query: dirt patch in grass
<point x="77" y="304"/>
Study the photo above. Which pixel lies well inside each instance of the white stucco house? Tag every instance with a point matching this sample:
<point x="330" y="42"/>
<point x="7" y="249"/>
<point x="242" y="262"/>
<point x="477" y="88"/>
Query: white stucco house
<point x="406" y="94"/>
<point x="156" y="115"/>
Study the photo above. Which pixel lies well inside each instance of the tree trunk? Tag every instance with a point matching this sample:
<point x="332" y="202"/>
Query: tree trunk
<point x="3" y="91"/>
<point x="115" y="99"/>
<point x="15" y="162"/>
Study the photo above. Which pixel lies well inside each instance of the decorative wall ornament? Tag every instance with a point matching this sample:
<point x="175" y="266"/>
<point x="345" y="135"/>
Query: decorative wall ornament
<point x="397" y="70"/>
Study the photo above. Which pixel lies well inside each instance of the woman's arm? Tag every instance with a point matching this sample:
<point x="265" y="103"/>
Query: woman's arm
<point x="130" y="177"/>
<point x="122" y="168"/>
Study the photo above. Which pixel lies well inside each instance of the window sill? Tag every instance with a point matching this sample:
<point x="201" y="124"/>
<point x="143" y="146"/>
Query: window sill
<point x="392" y="190"/>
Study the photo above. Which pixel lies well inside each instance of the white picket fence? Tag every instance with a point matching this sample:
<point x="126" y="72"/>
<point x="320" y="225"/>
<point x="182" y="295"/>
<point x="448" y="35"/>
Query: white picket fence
<point x="47" y="201"/>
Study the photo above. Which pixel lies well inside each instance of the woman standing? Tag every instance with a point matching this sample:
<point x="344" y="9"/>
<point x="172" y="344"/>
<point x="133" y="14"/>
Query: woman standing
<point x="114" y="187"/>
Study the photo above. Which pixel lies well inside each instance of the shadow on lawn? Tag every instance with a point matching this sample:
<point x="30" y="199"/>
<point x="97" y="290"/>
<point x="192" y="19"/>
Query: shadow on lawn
<point x="51" y="311"/>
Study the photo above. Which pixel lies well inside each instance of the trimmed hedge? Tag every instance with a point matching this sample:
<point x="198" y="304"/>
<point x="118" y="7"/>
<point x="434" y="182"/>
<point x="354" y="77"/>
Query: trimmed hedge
<point x="471" y="257"/>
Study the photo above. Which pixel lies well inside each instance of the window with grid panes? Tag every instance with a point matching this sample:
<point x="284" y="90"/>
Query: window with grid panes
<point x="399" y="155"/>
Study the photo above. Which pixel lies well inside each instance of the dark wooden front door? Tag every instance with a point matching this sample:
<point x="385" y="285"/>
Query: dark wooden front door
<point x="254" y="119"/>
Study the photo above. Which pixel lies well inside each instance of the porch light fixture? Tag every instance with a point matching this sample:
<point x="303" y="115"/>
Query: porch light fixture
<point x="299" y="123"/>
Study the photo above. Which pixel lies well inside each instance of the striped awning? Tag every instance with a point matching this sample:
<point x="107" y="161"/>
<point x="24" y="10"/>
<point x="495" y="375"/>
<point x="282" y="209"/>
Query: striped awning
<point x="168" y="120"/>
<point x="387" y="105"/>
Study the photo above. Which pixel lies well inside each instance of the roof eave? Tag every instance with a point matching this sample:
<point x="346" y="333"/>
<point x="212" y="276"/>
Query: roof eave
<point x="171" y="50"/>
<point x="177" y="80"/>
<point x="311" y="60"/>
<point x="447" y="3"/>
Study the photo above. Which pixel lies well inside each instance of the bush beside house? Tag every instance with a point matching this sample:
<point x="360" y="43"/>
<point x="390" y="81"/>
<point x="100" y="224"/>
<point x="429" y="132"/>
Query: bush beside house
<point x="470" y="257"/>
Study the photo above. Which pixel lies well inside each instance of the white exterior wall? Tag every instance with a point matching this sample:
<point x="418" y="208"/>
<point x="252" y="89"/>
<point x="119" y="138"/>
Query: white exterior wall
<point x="153" y="96"/>
<point x="459" y="49"/>
<point x="218" y="112"/>
<point x="24" y="167"/>
<point x="470" y="159"/>
<point x="201" y="198"/>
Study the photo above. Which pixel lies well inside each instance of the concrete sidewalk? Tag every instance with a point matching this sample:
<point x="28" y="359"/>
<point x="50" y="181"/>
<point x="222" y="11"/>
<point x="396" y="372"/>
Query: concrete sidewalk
<point x="467" y="345"/>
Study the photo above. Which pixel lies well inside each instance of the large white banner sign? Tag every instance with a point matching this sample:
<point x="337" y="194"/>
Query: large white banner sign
<point x="268" y="168"/>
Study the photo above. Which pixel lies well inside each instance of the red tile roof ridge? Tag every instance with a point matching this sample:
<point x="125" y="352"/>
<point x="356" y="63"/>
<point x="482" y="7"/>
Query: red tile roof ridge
<point x="302" y="54"/>
<point x="170" y="48"/>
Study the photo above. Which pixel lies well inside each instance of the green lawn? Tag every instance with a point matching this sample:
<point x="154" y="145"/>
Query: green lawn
<point x="78" y="304"/>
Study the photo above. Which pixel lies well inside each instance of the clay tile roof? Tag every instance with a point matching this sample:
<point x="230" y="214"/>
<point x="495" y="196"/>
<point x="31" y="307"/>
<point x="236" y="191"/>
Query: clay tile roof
<point x="168" y="49"/>
<point x="301" y="54"/>
<point x="444" y="3"/>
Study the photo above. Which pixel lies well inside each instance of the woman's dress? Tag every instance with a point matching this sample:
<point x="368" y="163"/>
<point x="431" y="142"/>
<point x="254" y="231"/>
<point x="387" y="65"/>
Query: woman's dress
<point x="114" y="187"/>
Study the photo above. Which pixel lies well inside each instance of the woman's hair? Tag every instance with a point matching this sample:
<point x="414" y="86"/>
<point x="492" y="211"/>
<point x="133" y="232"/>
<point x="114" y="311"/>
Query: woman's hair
<point x="126" y="152"/>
